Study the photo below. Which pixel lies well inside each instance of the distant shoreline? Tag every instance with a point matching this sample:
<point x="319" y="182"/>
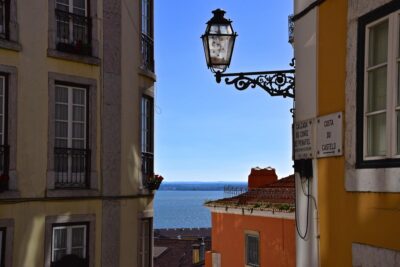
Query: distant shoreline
<point x="199" y="186"/>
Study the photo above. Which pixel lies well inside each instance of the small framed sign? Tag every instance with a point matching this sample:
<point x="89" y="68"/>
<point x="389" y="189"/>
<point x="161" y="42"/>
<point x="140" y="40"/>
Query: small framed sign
<point x="303" y="139"/>
<point x="329" y="135"/>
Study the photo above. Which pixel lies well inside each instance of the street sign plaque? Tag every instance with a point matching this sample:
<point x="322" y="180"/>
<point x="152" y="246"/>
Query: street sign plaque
<point x="303" y="140"/>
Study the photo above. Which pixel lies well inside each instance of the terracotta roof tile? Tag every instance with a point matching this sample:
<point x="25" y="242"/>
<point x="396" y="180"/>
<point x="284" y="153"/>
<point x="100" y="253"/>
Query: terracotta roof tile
<point x="278" y="195"/>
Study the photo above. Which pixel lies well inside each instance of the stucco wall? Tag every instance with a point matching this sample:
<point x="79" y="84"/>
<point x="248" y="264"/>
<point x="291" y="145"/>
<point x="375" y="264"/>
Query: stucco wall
<point x="277" y="239"/>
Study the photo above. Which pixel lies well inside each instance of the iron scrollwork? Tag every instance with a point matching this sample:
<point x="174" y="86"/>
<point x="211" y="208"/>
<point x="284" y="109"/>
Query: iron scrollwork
<point x="276" y="83"/>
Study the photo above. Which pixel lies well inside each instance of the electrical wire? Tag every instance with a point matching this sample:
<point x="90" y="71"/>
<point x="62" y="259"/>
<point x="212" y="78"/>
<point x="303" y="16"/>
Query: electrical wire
<point x="309" y="195"/>
<point x="296" y="219"/>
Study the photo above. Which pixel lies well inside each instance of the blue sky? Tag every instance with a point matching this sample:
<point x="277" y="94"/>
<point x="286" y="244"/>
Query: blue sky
<point x="206" y="131"/>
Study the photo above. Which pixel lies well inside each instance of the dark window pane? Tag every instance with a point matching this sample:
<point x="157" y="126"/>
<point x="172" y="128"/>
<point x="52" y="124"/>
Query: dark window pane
<point x="252" y="250"/>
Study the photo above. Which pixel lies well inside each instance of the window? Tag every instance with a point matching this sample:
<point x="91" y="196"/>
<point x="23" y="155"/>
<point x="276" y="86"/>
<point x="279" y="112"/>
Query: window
<point x="4" y="149"/>
<point x="69" y="245"/>
<point x="73" y="26"/>
<point x="147" y="137"/>
<point x="70" y="240"/>
<point x="6" y="242"/>
<point x="2" y="246"/>
<point x="8" y="128"/>
<point x="252" y="249"/>
<point x="146" y="242"/>
<point x="72" y="146"/>
<point x="4" y="18"/>
<point x="147" y="35"/>
<point x="378" y="99"/>
<point x="9" y="25"/>
<point x="71" y="154"/>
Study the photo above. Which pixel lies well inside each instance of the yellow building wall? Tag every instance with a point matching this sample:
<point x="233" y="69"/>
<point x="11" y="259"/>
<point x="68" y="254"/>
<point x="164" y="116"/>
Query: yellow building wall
<point x="29" y="227"/>
<point x="345" y="217"/>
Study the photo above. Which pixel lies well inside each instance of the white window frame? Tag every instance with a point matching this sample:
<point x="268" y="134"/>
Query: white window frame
<point x="69" y="239"/>
<point x="71" y="7"/>
<point x="393" y="59"/>
<point x="70" y="123"/>
<point x="70" y="120"/>
<point x="251" y="234"/>
<point x="147" y="127"/>
<point x="147" y="133"/>
<point x="147" y="17"/>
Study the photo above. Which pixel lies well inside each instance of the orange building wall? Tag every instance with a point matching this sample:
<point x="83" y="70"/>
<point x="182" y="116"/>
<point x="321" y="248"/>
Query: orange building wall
<point x="277" y="239"/>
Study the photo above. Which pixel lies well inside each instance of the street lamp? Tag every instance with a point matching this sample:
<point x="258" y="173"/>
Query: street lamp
<point x="219" y="39"/>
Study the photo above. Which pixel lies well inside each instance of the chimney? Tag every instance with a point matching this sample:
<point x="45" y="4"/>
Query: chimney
<point x="259" y="178"/>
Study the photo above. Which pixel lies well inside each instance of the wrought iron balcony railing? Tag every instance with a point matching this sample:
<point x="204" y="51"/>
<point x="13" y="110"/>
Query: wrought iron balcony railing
<point x="147" y="52"/>
<point x="147" y="166"/>
<point x="71" y="167"/>
<point x="73" y="33"/>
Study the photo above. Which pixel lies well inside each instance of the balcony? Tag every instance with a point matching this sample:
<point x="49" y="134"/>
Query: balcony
<point x="147" y="53"/>
<point x="73" y="33"/>
<point x="71" y="167"/>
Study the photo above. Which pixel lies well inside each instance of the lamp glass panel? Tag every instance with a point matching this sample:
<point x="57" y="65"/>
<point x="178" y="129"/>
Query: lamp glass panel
<point x="218" y="46"/>
<point x="220" y="43"/>
<point x="206" y="51"/>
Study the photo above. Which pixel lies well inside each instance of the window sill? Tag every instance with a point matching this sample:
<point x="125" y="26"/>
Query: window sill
<point x="10" y="45"/>
<point x="378" y="180"/>
<point x="73" y="57"/>
<point x="72" y="193"/>
<point x="9" y="194"/>
<point x="147" y="73"/>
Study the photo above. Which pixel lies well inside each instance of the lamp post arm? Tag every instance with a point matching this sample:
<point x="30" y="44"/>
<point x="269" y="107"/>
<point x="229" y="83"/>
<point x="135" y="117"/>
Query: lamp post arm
<point x="276" y="83"/>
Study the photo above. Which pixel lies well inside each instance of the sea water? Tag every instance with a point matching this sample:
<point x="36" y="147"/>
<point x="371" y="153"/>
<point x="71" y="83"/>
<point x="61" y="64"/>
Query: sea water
<point x="183" y="209"/>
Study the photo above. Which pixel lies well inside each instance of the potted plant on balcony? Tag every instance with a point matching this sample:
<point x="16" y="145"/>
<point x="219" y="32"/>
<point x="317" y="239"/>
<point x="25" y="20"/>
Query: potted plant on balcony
<point x="3" y="182"/>
<point x="153" y="181"/>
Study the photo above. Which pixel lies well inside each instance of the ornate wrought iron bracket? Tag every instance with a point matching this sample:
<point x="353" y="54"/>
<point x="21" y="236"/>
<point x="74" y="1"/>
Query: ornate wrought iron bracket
<point x="276" y="83"/>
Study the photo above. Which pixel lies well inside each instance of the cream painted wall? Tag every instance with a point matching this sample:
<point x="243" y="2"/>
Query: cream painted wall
<point x="33" y="66"/>
<point x="135" y="82"/>
<point x="131" y="212"/>
<point x="130" y="100"/>
<point x="300" y="5"/>
<point x="29" y="218"/>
